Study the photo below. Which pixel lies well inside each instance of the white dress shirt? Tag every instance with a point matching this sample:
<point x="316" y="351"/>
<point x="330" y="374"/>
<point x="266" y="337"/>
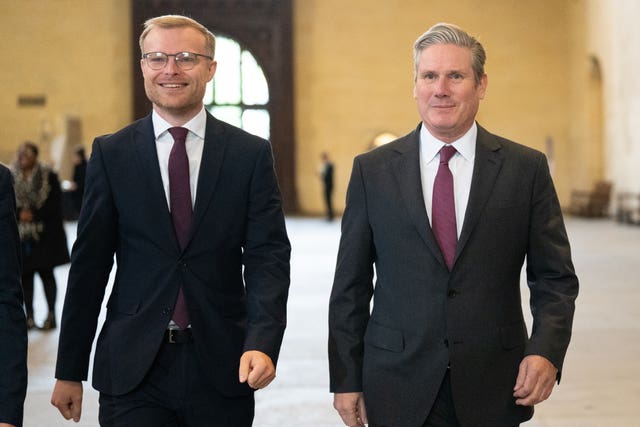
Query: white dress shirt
<point x="194" y="146"/>
<point x="461" y="166"/>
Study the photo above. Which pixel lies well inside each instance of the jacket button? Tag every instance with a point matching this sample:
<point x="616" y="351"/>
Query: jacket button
<point x="452" y="293"/>
<point x="446" y="342"/>
<point x="166" y="310"/>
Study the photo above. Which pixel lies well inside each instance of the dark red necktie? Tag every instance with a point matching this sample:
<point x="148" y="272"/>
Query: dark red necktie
<point x="180" y="204"/>
<point x="443" y="209"/>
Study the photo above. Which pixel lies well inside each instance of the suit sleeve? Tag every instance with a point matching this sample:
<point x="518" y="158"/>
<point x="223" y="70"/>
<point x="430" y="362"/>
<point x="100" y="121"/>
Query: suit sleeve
<point x="91" y="263"/>
<point x="13" y="329"/>
<point x="550" y="274"/>
<point x="266" y="258"/>
<point x="352" y="291"/>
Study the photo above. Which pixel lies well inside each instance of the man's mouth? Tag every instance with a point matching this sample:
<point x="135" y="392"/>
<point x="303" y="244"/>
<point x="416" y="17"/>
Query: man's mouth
<point x="172" y="85"/>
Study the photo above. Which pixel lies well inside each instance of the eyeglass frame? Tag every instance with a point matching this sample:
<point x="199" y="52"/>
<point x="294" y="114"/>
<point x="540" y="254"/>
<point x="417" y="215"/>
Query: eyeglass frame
<point x="145" y="56"/>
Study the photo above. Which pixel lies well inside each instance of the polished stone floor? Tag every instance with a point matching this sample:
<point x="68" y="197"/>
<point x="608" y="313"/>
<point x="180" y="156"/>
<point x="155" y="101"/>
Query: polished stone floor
<point x="601" y="380"/>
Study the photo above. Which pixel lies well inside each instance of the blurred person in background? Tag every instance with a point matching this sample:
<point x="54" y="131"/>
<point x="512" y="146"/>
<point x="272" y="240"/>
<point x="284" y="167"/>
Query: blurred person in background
<point x="42" y="235"/>
<point x="326" y="175"/>
<point x="76" y="186"/>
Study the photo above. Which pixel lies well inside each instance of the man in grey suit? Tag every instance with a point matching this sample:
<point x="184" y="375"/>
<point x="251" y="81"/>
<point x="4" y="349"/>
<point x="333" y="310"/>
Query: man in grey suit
<point x="13" y="324"/>
<point x="191" y="209"/>
<point x="445" y="342"/>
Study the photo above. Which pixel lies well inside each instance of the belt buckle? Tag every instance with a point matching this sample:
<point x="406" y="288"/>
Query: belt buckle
<point x="172" y="335"/>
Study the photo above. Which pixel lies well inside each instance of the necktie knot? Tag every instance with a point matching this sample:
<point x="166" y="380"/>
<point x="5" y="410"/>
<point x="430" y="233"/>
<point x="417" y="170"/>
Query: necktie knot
<point x="179" y="134"/>
<point x="446" y="153"/>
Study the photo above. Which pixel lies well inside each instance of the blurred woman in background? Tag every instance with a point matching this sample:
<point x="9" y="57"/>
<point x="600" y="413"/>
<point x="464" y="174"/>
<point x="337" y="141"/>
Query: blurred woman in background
<point x="42" y="235"/>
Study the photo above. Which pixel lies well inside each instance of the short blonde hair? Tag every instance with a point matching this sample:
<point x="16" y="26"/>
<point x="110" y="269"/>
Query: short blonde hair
<point x="178" y="21"/>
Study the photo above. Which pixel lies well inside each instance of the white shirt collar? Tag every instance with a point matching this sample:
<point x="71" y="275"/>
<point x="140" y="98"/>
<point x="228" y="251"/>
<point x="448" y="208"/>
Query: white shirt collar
<point x="196" y="125"/>
<point x="465" y="145"/>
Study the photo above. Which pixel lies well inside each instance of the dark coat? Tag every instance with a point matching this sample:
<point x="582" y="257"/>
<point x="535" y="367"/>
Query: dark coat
<point x="234" y="270"/>
<point x="425" y="317"/>
<point x="327" y="176"/>
<point x="44" y="241"/>
<point x="79" y="173"/>
<point x="13" y="327"/>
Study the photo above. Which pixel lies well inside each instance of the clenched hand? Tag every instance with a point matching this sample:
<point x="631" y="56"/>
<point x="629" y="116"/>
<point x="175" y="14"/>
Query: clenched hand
<point x="67" y="397"/>
<point x="256" y="369"/>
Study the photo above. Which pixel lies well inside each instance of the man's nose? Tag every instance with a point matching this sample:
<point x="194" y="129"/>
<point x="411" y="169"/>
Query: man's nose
<point x="172" y="66"/>
<point x="442" y="87"/>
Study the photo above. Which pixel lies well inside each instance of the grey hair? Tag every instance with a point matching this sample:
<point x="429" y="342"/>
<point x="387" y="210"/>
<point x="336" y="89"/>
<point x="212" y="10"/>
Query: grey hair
<point x="443" y="33"/>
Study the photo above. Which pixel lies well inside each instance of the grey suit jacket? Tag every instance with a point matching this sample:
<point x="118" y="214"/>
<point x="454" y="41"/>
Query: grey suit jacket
<point x="234" y="270"/>
<point x="13" y="327"/>
<point x="424" y="317"/>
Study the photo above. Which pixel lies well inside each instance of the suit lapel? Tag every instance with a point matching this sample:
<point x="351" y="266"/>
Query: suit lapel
<point x="487" y="165"/>
<point x="145" y="146"/>
<point x="406" y="169"/>
<point x="212" y="155"/>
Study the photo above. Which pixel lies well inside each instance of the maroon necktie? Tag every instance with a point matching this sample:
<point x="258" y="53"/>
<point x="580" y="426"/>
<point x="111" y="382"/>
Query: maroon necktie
<point x="180" y="203"/>
<point x="443" y="209"/>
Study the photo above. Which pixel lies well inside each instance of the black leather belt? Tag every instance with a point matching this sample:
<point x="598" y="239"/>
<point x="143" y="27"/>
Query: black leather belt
<point x="178" y="336"/>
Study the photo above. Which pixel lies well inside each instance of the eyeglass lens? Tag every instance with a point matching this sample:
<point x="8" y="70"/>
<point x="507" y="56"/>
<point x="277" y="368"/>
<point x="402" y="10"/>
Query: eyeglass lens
<point x="158" y="60"/>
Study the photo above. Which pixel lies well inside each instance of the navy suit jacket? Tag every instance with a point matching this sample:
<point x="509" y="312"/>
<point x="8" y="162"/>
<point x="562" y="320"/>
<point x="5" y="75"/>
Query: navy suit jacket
<point x="426" y="317"/>
<point x="13" y="327"/>
<point x="234" y="270"/>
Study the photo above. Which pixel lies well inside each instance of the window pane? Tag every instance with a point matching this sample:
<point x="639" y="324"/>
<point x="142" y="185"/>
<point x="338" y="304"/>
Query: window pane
<point x="228" y="72"/>
<point x="256" y="122"/>
<point x="230" y="115"/>
<point x="208" y="94"/>
<point x="254" y="85"/>
<point x="242" y="84"/>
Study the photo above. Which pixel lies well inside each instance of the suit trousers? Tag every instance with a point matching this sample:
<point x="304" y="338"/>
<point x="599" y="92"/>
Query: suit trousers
<point x="176" y="393"/>
<point x="443" y="411"/>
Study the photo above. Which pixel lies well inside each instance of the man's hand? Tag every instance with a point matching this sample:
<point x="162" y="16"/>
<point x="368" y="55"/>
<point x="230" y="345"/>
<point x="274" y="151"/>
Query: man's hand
<point x="351" y="408"/>
<point x="6" y="425"/>
<point x="256" y="369"/>
<point x="536" y="378"/>
<point x="67" y="397"/>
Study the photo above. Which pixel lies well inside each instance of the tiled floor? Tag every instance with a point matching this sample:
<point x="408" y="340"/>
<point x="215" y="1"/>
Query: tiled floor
<point x="601" y="379"/>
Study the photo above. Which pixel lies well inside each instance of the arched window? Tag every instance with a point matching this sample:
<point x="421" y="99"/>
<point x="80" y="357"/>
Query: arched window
<point x="239" y="93"/>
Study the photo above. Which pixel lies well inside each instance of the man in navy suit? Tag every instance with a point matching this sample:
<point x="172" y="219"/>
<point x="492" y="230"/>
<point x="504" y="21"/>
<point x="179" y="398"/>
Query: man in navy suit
<point x="13" y="324"/>
<point x="197" y="313"/>
<point x="445" y="343"/>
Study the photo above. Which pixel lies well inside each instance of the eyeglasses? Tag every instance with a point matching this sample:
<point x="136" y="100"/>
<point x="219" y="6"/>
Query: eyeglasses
<point x="184" y="60"/>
